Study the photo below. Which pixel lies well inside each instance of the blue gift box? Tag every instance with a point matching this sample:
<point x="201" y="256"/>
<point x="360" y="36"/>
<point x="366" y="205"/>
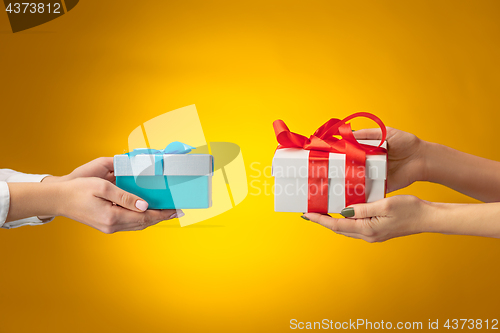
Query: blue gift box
<point x="166" y="181"/>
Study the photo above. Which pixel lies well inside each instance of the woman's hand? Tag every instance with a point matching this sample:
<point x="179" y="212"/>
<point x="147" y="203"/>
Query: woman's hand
<point x="405" y="154"/>
<point x="90" y="200"/>
<point x="101" y="167"/>
<point x="87" y="195"/>
<point x="381" y="220"/>
<point x="100" y="204"/>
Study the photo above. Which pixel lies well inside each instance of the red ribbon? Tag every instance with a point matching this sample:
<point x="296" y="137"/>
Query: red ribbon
<point x="321" y="144"/>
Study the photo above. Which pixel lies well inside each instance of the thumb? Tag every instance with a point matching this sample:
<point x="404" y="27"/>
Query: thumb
<point x="364" y="210"/>
<point x="122" y="198"/>
<point x="368" y="134"/>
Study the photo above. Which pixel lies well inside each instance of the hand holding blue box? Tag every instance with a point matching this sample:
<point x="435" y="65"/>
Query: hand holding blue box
<point x="167" y="179"/>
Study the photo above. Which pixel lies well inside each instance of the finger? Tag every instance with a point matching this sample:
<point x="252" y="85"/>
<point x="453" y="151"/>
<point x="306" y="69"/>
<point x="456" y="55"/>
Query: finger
<point x="155" y="217"/>
<point x="350" y="234"/>
<point x="337" y="225"/>
<point x="359" y="211"/>
<point x="129" y="220"/>
<point x="368" y="134"/>
<point x="140" y="227"/>
<point x="110" y="177"/>
<point x="120" y="197"/>
<point x="106" y="162"/>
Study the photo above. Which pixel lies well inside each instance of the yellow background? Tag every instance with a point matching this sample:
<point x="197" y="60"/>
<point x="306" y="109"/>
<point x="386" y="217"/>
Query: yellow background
<point x="73" y="89"/>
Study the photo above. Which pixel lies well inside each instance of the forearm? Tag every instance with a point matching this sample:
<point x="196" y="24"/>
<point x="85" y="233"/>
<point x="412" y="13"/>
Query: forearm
<point x="33" y="199"/>
<point x="464" y="219"/>
<point x="472" y="175"/>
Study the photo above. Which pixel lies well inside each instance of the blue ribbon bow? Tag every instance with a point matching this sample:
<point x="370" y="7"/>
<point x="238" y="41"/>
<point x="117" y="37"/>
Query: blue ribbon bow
<point x="175" y="147"/>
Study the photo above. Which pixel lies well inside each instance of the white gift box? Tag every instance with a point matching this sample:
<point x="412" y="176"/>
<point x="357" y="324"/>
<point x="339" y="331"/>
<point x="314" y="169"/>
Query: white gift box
<point x="291" y="170"/>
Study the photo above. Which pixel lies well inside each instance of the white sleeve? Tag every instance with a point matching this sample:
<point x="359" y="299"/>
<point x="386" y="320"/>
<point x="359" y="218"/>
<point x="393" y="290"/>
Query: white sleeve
<point x="11" y="176"/>
<point x="4" y="202"/>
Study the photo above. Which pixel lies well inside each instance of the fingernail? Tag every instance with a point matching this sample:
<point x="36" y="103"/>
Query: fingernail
<point x="347" y="212"/>
<point x="177" y="214"/>
<point x="305" y="218"/>
<point x="141" y="205"/>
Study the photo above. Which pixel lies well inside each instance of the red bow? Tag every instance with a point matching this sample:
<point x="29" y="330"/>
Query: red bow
<point x="321" y="143"/>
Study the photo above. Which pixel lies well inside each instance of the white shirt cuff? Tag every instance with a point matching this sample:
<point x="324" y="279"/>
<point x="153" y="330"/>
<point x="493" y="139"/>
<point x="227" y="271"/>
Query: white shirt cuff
<point x="5" y="201"/>
<point x="25" y="178"/>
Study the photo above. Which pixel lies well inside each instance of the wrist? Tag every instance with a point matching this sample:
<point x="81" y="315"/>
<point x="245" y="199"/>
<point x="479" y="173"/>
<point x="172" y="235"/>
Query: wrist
<point x="33" y="199"/>
<point x="428" y="221"/>
<point x="426" y="150"/>
<point x="437" y="217"/>
<point x="55" y="179"/>
<point x="53" y="193"/>
<point x="436" y="162"/>
<point x="61" y="197"/>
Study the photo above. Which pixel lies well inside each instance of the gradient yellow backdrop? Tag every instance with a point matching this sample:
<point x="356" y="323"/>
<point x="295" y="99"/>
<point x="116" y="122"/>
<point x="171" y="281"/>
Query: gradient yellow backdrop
<point x="73" y="89"/>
